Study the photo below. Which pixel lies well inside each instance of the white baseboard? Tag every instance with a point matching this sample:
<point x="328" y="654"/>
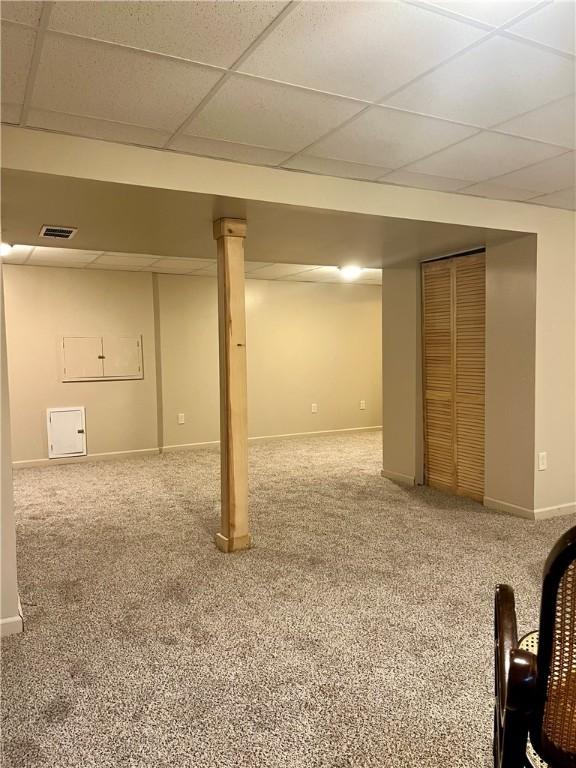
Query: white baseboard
<point x="89" y="457"/>
<point x="319" y="432"/>
<point x="186" y="446"/>
<point x="398" y="477"/>
<point x="541" y="513"/>
<point x="12" y="625"/>
<point x="545" y="513"/>
<point x="170" y="448"/>
<point x="512" y="509"/>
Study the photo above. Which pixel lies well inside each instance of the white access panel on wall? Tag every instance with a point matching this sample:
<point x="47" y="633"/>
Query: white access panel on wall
<point x="101" y="358"/>
<point x="122" y="357"/>
<point x="66" y="432"/>
<point x="82" y="358"/>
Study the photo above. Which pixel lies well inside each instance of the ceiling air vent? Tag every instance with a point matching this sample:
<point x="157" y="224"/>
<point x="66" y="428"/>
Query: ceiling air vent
<point x="61" y="233"/>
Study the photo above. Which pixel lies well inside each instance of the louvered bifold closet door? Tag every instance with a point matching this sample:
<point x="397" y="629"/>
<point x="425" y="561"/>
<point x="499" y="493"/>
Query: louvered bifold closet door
<point x="453" y="337"/>
<point x="437" y="320"/>
<point x="469" y="299"/>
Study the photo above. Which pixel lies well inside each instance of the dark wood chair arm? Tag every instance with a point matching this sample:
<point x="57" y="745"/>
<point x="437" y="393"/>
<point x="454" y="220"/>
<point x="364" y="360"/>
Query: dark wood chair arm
<point x="514" y="682"/>
<point x="505" y="639"/>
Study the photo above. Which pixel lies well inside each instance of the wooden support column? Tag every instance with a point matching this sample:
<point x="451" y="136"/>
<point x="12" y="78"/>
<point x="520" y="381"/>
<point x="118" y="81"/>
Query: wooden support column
<point x="234" y="531"/>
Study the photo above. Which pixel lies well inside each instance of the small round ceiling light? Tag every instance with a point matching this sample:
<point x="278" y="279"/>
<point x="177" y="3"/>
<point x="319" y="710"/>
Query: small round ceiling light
<point x="350" y="272"/>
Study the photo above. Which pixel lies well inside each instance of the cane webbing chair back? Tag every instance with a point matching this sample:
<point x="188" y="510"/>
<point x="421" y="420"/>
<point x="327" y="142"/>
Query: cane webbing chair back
<point x="535" y="677"/>
<point x="556" y="709"/>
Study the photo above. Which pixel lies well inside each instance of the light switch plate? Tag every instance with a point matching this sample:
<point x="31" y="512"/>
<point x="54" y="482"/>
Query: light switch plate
<point x="181" y="418"/>
<point x="314" y="407"/>
<point x="542" y="460"/>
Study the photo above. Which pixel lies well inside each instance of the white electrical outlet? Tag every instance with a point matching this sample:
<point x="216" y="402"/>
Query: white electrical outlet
<point x="181" y="418"/>
<point x="542" y="460"/>
<point x="362" y="405"/>
<point x="314" y="407"/>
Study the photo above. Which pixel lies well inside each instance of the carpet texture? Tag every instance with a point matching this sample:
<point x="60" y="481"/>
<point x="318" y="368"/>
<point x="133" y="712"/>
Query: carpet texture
<point x="357" y="631"/>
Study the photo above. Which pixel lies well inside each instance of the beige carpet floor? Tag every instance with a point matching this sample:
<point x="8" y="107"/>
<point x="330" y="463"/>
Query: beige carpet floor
<point x="356" y="632"/>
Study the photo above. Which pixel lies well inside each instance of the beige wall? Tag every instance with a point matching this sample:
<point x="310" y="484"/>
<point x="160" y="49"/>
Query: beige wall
<point x="10" y="620"/>
<point x="42" y="305"/>
<point x="555" y="390"/>
<point x="510" y="374"/>
<point x="306" y="343"/>
<point x="188" y="320"/>
<point x="401" y="382"/>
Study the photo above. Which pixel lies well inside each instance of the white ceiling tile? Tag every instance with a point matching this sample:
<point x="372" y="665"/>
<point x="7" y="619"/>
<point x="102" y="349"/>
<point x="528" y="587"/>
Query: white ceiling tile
<point x="424" y="181"/>
<point x="265" y="114"/>
<point x="61" y="256"/>
<point x="17" y="47"/>
<point x="250" y="266"/>
<point x="212" y="32"/>
<point x="359" y="49"/>
<point x="370" y="276"/>
<point x="228" y="150"/>
<point x="555" y="123"/>
<point x="493" y="12"/>
<point x="493" y="82"/>
<point x="55" y="262"/>
<point x="553" y="25"/>
<point x="563" y="199"/>
<point x="210" y="271"/>
<point x="496" y="191"/>
<point x="484" y="156"/>
<point x="178" y="266"/>
<point x="88" y="78"/>
<point x="18" y="254"/>
<point x="23" y="11"/>
<point x="12" y="259"/>
<point x="332" y="275"/>
<point x="329" y="167"/>
<point x="126" y="259"/>
<point x="316" y="275"/>
<point x="389" y="139"/>
<point x="547" y="176"/>
<point x="97" y="129"/>
<point x="275" y="271"/>
<point x="114" y="268"/>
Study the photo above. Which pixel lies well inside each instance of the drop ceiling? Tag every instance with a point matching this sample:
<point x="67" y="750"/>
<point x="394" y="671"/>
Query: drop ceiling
<point x="42" y="256"/>
<point x="468" y="96"/>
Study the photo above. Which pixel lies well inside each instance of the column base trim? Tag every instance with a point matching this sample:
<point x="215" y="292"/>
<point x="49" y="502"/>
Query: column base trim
<point x="398" y="477"/>
<point x="11" y="625"/>
<point x="237" y="544"/>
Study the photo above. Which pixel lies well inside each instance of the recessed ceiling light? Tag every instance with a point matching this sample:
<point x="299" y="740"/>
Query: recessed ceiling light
<point x="350" y="272"/>
<point x="5" y="249"/>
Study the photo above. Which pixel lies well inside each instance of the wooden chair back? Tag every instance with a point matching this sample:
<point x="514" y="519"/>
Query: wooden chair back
<point x="553" y="731"/>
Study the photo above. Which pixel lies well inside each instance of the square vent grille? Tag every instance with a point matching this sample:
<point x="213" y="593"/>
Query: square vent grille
<point x="61" y="233"/>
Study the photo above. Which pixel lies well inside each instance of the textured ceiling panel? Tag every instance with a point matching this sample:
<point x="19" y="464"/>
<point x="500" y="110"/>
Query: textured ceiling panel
<point x="259" y="112"/>
<point x="490" y="83"/>
<point x="304" y="85"/>
<point x="83" y="77"/>
<point x="363" y="49"/>
<point x="389" y="138"/>
<point x="211" y="32"/>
